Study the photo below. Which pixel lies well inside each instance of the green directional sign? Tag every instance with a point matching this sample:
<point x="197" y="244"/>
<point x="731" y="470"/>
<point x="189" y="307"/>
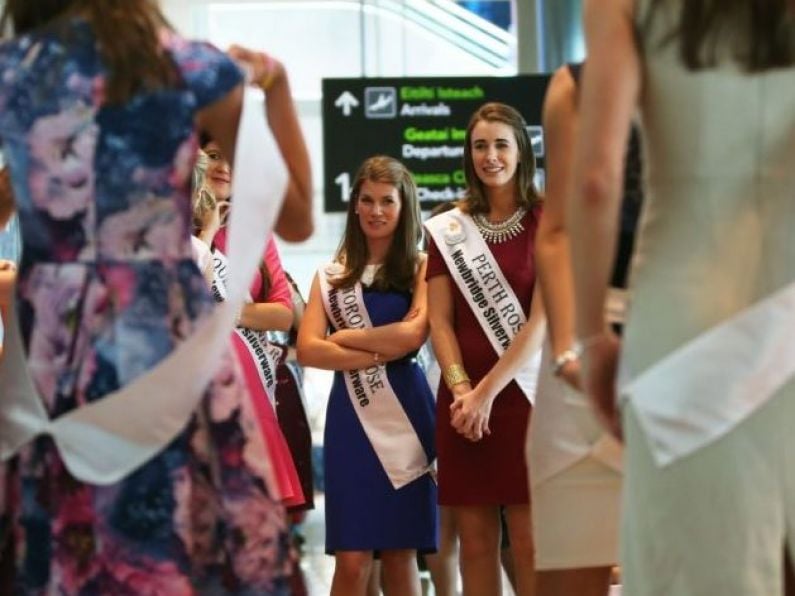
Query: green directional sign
<point x="422" y="122"/>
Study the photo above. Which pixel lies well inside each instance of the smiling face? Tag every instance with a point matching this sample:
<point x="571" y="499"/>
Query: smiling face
<point x="378" y="208"/>
<point x="495" y="153"/>
<point x="219" y="173"/>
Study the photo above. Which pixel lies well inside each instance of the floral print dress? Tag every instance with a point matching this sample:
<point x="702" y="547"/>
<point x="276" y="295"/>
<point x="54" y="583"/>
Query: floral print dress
<point x="107" y="288"/>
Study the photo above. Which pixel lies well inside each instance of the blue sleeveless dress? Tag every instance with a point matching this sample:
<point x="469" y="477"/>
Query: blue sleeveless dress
<point x="363" y="510"/>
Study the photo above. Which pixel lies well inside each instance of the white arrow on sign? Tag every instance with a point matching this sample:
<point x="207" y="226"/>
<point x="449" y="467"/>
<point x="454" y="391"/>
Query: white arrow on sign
<point x="346" y="102"/>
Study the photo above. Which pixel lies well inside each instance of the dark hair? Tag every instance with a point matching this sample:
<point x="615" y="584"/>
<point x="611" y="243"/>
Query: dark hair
<point x="475" y="200"/>
<point x="127" y="32"/>
<point x="204" y="139"/>
<point x="6" y="197"/>
<point x="401" y="260"/>
<point x="757" y="35"/>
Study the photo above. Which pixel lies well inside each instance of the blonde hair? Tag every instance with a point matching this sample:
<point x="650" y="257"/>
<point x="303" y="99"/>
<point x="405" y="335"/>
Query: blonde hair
<point x="203" y="199"/>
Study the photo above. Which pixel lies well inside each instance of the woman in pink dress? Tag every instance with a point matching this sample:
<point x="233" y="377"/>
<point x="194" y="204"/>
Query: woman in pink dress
<point x="270" y="309"/>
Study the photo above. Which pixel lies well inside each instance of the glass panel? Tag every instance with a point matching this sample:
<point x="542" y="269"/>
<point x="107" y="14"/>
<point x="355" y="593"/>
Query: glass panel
<point x="319" y="39"/>
<point x="497" y="12"/>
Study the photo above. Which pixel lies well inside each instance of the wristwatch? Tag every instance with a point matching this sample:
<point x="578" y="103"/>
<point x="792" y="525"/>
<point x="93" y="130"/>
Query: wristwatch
<point x="563" y="359"/>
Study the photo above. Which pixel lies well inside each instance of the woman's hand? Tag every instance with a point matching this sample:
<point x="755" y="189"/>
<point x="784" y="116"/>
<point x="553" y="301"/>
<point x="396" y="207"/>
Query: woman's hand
<point x="212" y="220"/>
<point x="470" y="411"/>
<point x="599" y="368"/>
<point x="338" y="337"/>
<point x="571" y="374"/>
<point x="263" y="68"/>
<point x="343" y="337"/>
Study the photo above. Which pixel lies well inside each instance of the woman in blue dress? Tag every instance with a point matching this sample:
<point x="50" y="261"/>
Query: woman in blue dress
<point x="378" y="445"/>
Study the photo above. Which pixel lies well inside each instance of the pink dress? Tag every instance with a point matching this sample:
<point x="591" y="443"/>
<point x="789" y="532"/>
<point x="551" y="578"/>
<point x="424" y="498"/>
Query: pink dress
<point x="283" y="471"/>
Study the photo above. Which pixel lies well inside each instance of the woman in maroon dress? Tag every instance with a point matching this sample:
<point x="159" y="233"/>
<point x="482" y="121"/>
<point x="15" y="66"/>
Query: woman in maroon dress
<point x="482" y="412"/>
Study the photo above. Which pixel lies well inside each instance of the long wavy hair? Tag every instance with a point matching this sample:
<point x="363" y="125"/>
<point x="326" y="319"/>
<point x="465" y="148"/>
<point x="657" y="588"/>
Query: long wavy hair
<point x="202" y="198"/>
<point x="127" y="31"/>
<point x="397" y="272"/>
<point x="476" y="200"/>
<point x="758" y="35"/>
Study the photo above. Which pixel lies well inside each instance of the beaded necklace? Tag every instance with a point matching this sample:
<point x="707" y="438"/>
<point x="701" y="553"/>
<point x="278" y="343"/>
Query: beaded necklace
<point x="498" y="232"/>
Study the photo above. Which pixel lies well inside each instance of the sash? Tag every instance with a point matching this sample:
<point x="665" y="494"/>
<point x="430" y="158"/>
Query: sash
<point x="261" y="351"/>
<point x="220" y="275"/>
<point x="706" y="387"/>
<point x="484" y="287"/>
<point x="380" y="412"/>
<point x="106" y="440"/>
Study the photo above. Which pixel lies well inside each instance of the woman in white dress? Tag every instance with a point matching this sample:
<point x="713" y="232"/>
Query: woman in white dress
<point x="576" y="480"/>
<point x="707" y="353"/>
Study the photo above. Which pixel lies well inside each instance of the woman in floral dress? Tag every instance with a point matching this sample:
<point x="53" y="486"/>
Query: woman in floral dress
<point x="97" y="113"/>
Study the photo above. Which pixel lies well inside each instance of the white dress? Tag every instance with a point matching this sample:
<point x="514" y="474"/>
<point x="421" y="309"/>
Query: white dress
<point x="575" y="479"/>
<point x="710" y="452"/>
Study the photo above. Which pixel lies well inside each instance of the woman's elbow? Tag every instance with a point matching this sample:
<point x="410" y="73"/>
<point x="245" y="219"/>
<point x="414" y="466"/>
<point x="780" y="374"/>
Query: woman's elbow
<point x="295" y="229"/>
<point x="303" y="354"/>
<point x="284" y="320"/>
<point x="595" y="188"/>
<point x="417" y="337"/>
<point x="294" y="223"/>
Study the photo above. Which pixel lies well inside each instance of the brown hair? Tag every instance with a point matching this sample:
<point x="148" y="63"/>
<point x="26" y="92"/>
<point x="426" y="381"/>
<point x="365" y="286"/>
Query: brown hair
<point x="401" y="260"/>
<point x="476" y="201"/>
<point x="127" y="31"/>
<point x="757" y="34"/>
<point x="6" y="197"/>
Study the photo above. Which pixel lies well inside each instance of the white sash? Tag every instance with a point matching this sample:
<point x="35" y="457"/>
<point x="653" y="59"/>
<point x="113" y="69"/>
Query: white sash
<point x="703" y="389"/>
<point x="220" y="275"/>
<point x="380" y="412"/>
<point x="484" y="287"/>
<point x="106" y="440"/>
<point x="256" y="342"/>
<point x="265" y="356"/>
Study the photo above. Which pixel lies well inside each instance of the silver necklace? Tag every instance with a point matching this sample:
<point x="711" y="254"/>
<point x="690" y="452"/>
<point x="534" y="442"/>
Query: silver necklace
<point x="500" y="231"/>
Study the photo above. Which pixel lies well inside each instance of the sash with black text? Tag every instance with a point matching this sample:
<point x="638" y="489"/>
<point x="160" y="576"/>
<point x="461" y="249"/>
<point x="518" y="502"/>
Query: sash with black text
<point x="262" y="352"/>
<point x="379" y="410"/>
<point x="482" y="283"/>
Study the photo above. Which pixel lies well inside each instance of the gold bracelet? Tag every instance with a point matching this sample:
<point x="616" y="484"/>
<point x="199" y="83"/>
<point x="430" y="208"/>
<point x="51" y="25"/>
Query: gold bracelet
<point x="265" y="82"/>
<point x="454" y="375"/>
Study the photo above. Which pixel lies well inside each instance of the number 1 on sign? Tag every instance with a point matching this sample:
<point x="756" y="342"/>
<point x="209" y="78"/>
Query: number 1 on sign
<point x="344" y="182"/>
